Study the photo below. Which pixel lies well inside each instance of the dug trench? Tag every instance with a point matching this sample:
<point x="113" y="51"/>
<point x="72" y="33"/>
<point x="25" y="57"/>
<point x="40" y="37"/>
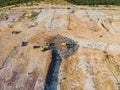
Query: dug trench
<point x="56" y="59"/>
<point x="53" y="71"/>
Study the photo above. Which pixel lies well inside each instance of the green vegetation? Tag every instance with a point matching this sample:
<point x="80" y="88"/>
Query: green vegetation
<point x="77" y="2"/>
<point x="94" y="2"/>
<point x="22" y="17"/>
<point x="33" y="15"/>
<point x="15" y="2"/>
<point x="2" y="16"/>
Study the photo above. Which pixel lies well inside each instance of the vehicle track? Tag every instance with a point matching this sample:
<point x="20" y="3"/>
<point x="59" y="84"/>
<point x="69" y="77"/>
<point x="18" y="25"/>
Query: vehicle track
<point x="112" y="72"/>
<point x="52" y="20"/>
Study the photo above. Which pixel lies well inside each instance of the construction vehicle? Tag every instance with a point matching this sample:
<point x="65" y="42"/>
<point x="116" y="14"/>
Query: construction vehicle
<point x="67" y="45"/>
<point x="44" y="48"/>
<point x="48" y="46"/>
<point x="64" y="44"/>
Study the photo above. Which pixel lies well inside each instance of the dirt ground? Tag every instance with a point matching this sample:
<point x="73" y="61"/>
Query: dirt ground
<point x="95" y="64"/>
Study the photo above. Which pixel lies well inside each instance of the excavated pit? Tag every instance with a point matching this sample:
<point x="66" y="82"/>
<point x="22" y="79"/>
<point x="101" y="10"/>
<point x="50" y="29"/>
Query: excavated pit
<point x="52" y="75"/>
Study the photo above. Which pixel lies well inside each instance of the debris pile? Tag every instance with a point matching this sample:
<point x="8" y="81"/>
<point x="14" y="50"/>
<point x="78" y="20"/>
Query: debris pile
<point x="64" y="50"/>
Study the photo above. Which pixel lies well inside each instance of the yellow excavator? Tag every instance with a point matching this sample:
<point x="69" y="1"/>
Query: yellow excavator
<point x="67" y="45"/>
<point x="64" y="44"/>
<point x="49" y="46"/>
<point x="44" y="48"/>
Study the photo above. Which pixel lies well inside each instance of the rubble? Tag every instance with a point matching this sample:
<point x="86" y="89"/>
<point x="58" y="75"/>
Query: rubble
<point x="64" y="51"/>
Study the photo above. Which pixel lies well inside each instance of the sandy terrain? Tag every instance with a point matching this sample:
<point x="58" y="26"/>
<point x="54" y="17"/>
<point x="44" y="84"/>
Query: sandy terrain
<point x="94" y="65"/>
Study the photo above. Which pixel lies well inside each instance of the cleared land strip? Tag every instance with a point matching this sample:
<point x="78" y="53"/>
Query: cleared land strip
<point x="85" y="43"/>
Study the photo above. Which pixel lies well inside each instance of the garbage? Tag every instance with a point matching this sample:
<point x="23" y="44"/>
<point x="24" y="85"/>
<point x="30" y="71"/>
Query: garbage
<point x="16" y="32"/>
<point x="65" y="46"/>
<point x="6" y="17"/>
<point x="24" y="43"/>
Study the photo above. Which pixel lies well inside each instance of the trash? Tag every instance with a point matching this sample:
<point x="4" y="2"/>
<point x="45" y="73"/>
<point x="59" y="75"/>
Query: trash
<point x="25" y="43"/>
<point x="33" y="25"/>
<point x="36" y="47"/>
<point x="14" y="47"/>
<point x="6" y="17"/>
<point x="100" y="36"/>
<point x="68" y="8"/>
<point x="16" y="32"/>
<point x="72" y="11"/>
<point x="61" y="43"/>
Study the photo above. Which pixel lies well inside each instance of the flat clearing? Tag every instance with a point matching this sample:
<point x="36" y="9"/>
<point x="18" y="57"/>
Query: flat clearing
<point x="94" y="65"/>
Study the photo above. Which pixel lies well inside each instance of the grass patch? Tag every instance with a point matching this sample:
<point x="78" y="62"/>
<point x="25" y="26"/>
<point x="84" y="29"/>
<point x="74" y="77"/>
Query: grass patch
<point x="22" y="17"/>
<point x="2" y="16"/>
<point x="33" y="15"/>
<point x="94" y="2"/>
<point x="4" y="3"/>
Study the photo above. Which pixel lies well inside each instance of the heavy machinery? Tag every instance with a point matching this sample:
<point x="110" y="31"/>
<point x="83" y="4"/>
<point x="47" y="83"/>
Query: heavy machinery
<point x="64" y="44"/>
<point x="67" y="45"/>
<point x="44" y="48"/>
<point x="48" y="46"/>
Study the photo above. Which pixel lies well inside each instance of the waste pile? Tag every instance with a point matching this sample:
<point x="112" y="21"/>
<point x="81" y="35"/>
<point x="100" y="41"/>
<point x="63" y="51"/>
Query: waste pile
<point x="65" y="46"/>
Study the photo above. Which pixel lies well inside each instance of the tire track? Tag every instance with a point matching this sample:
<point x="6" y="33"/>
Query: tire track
<point x="52" y="20"/>
<point x="110" y="69"/>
